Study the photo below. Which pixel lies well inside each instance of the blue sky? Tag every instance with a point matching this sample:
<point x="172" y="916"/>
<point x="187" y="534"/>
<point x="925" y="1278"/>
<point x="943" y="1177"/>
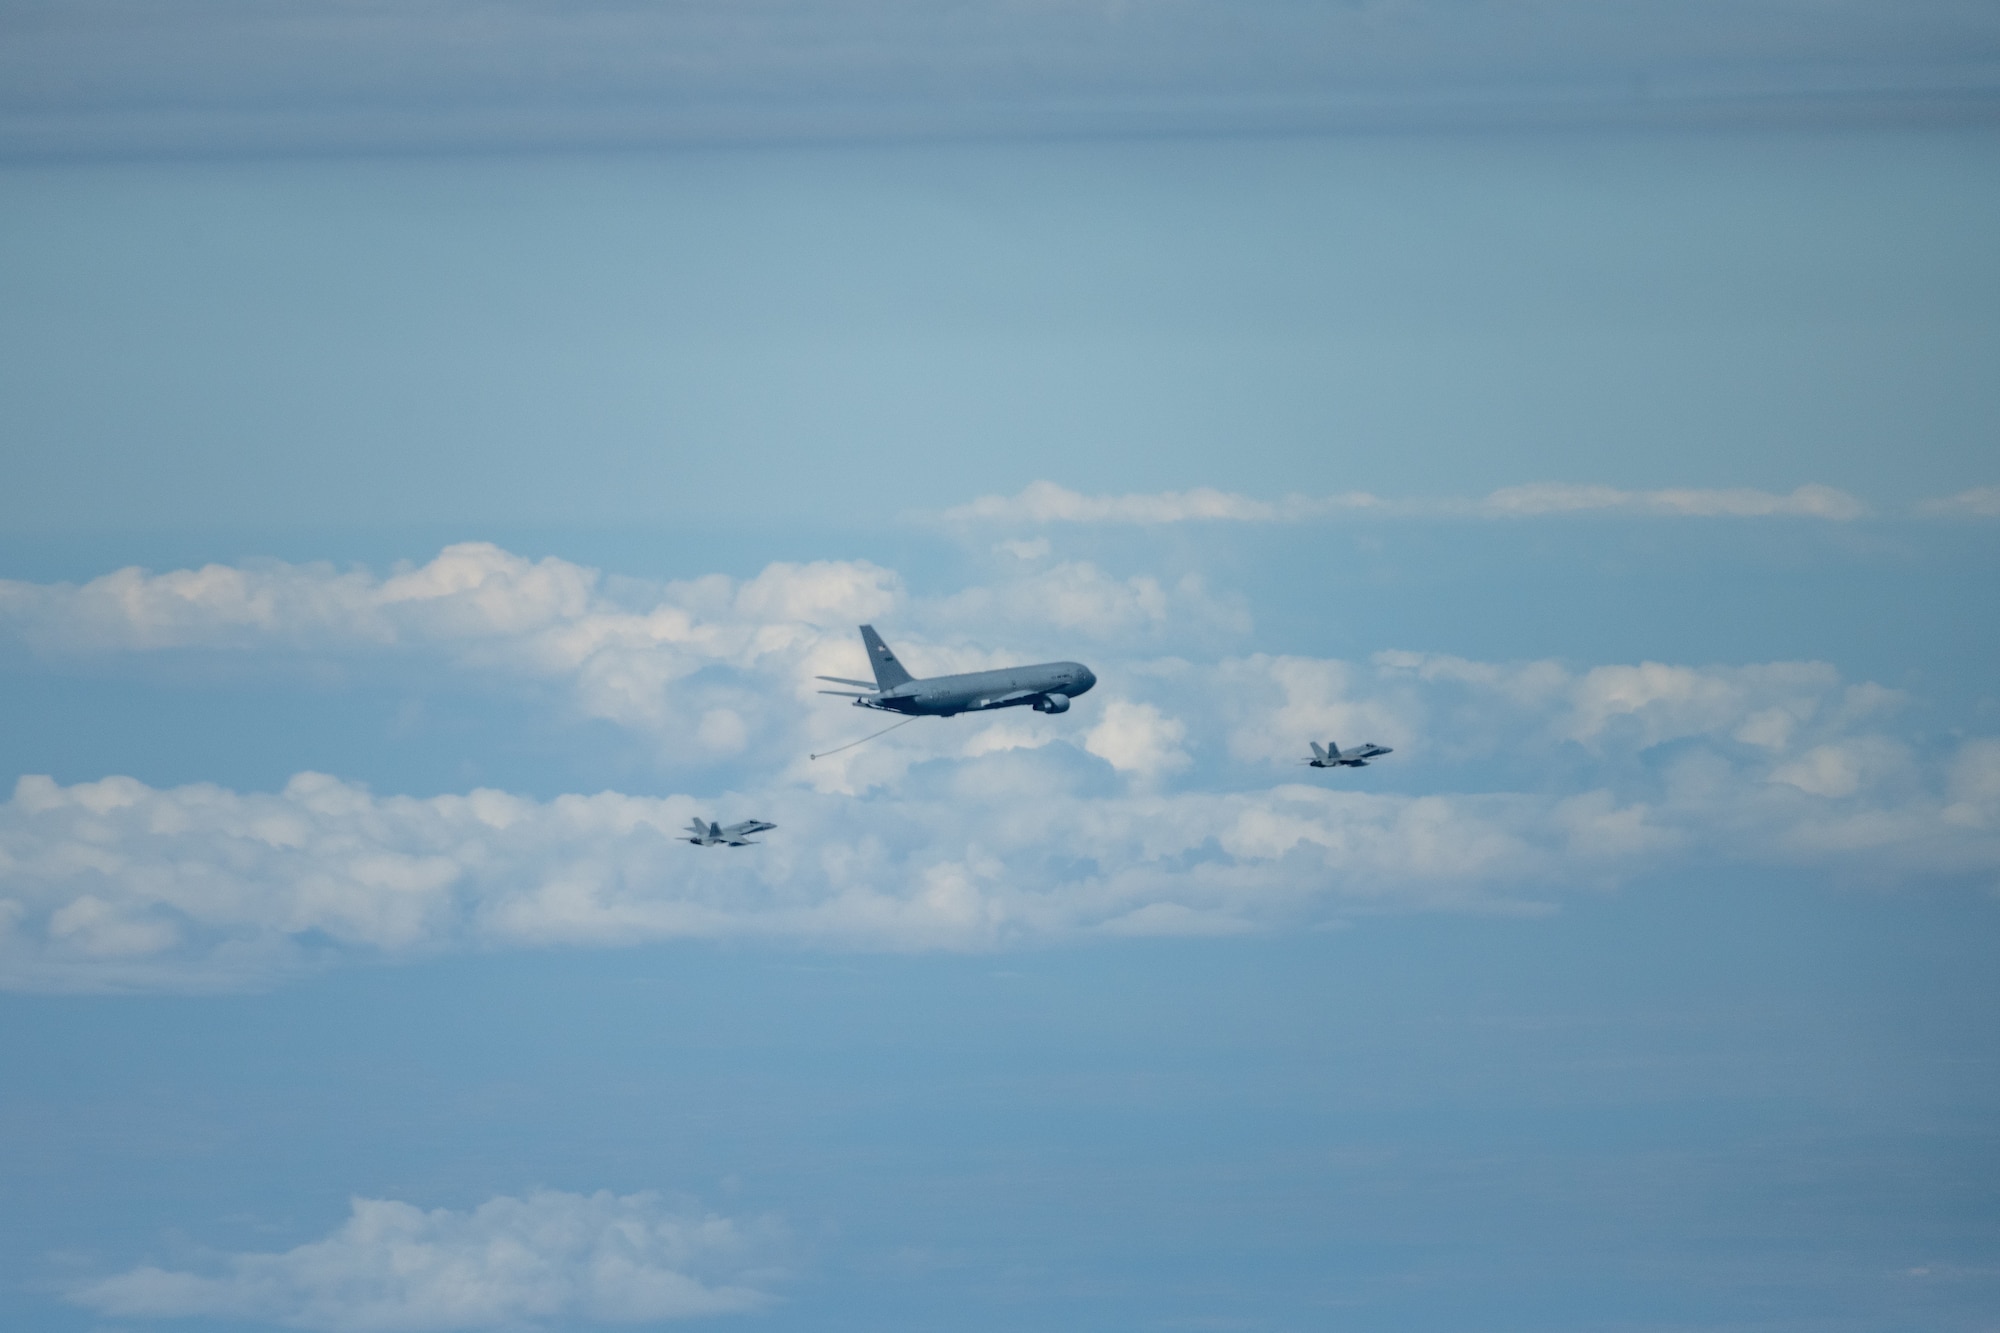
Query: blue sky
<point x="595" y="339"/>
<point x="444" y="443"/>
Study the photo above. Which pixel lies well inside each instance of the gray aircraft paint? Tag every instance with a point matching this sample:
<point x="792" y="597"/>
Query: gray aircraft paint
<point x="1047" y="687"/>
<point x="708" y="833"/>
<point x="1334" y="757"/>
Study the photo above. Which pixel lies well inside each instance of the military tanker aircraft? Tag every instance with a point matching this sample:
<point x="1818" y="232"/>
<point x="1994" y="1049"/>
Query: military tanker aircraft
<point x="1047" y="687"/>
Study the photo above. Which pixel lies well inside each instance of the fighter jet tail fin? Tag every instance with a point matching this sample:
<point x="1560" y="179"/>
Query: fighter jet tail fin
<point x="889" y="672"/>
<point x="1318" y="753"/>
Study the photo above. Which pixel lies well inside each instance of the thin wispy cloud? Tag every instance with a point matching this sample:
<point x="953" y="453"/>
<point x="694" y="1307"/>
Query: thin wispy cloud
<point x="118" y="76"/>
<point x="544" y="1258"/>
<point x="1809" y="501"/>
<point x="1979" y="502"/>
<point x="1046" y="502"/>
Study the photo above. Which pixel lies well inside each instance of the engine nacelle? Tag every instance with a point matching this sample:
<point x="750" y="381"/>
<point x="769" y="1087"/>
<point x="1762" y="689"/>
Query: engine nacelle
<point x="1052" y="703"/>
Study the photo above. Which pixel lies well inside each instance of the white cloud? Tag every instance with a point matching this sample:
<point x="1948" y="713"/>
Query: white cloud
<point x="1280" y="703"/>
<point x="1165" y="801"/>
<point x="1137" y="738"/>
<point x="1824" y="770"/>
<point x="1036" y="549"/>
<point x="1077" y="597"/>
<point x="1768" y="762"/>
<point x="1975" y="786"/>
<point x="509" y="1263"/>
<point x="1046" y="502"/>
<point x="1012" y="834"/>
<point x="1979" y="502"/>
<point x="475" y="597"/>
<point x="1809" y="501"/>
<point x="489" y="612"/>
<point x="1005" y="733"/>
<point x="1760" y="705"/>
<point x="708" y="669"/>
<point x="115" y="884"/>
<point x="1470" y="708"/>
<point x="716" y="669"/>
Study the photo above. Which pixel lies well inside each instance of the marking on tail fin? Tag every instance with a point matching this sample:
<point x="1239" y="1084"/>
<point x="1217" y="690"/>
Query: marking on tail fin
<point x="889" y="673"/>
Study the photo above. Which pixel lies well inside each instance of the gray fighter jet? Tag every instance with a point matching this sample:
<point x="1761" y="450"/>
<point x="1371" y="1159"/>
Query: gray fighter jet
<point x="1334" y="757"/>
<point x="711" y="834"/>
<point x="1047" y="688"/>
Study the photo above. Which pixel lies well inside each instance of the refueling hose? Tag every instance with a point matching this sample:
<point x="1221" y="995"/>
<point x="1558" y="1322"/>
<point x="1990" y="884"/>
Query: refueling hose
<point x="864" y="740"/>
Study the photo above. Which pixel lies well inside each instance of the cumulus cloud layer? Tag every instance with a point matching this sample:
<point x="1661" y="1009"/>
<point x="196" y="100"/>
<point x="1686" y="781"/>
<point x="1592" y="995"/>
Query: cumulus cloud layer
<point x="114" y="883"/>
<point x="710" y="668"/>
<point x="1046" y="502"/>
<point x="509" y="1263"/>
<point x="1169" y="800"/>
<point x="1173" y="805"/>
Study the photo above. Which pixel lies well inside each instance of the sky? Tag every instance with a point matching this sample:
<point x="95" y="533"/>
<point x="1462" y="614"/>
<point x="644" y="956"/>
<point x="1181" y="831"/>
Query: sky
<point x="444" y="443"/>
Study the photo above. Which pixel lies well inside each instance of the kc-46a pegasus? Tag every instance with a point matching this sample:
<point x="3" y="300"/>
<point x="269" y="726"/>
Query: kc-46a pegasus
<point x="1335" y="757"/>
<point x="1047" y="687"/>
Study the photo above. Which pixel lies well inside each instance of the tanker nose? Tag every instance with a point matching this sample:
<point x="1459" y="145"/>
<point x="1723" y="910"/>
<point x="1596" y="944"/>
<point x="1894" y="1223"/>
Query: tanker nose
<point x="1085" y="679"/>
